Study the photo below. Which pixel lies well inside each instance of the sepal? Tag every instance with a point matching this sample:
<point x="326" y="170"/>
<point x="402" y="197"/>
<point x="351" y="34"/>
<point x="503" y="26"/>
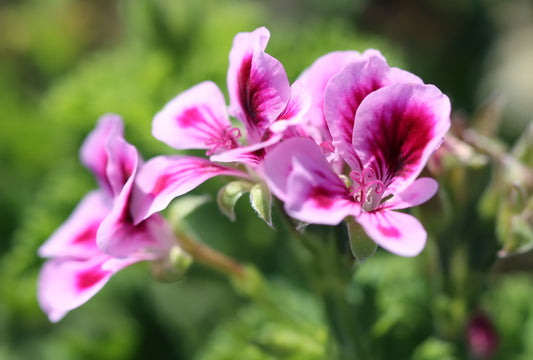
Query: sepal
<point x="229" y="194"/>
<point x="361" y="245"/>
<point x="261" y="200"/>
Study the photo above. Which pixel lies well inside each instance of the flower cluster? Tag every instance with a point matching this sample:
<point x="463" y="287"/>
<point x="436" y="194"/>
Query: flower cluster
<point x="347" y="140"/>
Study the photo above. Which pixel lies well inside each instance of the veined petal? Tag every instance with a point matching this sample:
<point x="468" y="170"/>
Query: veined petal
<point x="293" y="114"/>
<point x="163" y="178"/>
<point x="257" y="83"/>
<point x="195" y="119"/>
<point x="347" y="89"/>
<point x="397" y="128"/>
<point x="314" y="79"/>
<point x="298" y="174"/>
<point x="66" y="283"/>
<point x="119" y="237"/>
<point x="420" y="191"/>
<point x="76" y="238"/>
<point x="123" y="160"/>
<point x="317" y="195"/>
<point x="252" y="155"/>
<point x="94" y="153"/>
<point x="399" y="233"/>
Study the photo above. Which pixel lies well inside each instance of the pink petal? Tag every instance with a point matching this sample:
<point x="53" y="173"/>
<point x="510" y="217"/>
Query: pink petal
<point x="77" y="236"/>
<point x="298" y="174"/>
<point x="420" y="191"/>
<point x="399" y="233"/>
<point x="294" y="112"/>
<point x="257" y="83"/>
<point x="397" y="128"/>
<point x="123" y="160"/>
<point x="348" y="88"/>
<point x="252" y="155"/>
<point x="119" y="237"/>
<point x="163" y="178"/>
<point x="66" y="283"/>
<point x="195" y="119"/>
<point x="314" y="80"/>
<point x="317" y="195"/>
<point x="94" y="152"/>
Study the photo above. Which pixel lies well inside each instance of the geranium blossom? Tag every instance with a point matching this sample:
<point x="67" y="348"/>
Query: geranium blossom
<point x="385" y="123"/>
<point x="99" y="238"/>
<point x="261" y="99"/>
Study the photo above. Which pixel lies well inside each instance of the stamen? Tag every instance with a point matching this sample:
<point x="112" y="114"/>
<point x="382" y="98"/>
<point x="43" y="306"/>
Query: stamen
<point x="368" y="190"/>
<point x="327" y="147"/>
<point x="227" y="141"/>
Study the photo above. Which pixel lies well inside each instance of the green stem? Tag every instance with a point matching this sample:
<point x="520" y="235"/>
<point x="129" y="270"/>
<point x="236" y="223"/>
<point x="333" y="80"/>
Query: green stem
<point x="211" y="257"/>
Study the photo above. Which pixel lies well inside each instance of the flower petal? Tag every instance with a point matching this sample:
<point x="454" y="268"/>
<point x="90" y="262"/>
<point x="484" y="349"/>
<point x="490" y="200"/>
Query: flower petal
<point x="399" y="233"/>
<point x="123" y="160"/>
<point x="297" y="108"/>
<point x="252" y="155"/>
<point x="94" y="153"/>
<point x="66" y="283"/>
<point x="195" y="119"/>
<point x="77" y="236"/>
<point x="420" y="191"/>
<point x="163" y="178"/>
<point x="347" y="89"/>
<point x="317" y="195"/>
<point x="257" y="83"/>
<point x="314" y="79"/>
<point x="298" y="173"/>
<point x="119" y="237"/>
<point x="397" y="128"/>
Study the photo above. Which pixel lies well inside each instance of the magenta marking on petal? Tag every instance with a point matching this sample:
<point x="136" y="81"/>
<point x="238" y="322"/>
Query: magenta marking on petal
<point x="88" y="235"/>
<point x="390" y="232"/>
<point x="322" y="197"/>
<point x="189" y="117"/>
<point x="399" y="140"/>
<point x="161" y="183"/>
<point x="244" y="86"/>
<point x="185" y="173"/>
<point x="90" y="277"/>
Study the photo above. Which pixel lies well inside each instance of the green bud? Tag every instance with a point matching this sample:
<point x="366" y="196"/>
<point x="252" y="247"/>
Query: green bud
<point x="174" y="267"/>
<point x="362" y="246"/>
<point x="229" y="194"/>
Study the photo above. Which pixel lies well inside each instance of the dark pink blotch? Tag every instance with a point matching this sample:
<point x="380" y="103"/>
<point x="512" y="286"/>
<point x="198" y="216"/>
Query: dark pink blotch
<point x="399" y="140"/>
<point x="88" y="235"/>
<point x="322" y="197"/>
<point x="390" y="232"/>
<point x="90" y="277"/>
<point x="189" y="117"/>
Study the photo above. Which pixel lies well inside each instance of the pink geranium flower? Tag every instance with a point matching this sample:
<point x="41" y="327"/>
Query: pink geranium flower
<point x="385" y="123"/>
<point x="261" y="99"/>
<point x="99" y="238"/>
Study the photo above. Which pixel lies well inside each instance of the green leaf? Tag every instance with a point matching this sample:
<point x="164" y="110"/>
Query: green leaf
<point x="362" y="246"/>
<point x="261" y="200"/>
<point x="229" y="194"/>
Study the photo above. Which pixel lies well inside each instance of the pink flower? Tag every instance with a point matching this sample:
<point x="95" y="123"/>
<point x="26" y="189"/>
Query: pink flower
<point x="99" y="238"/>
<point x="482" y="337"/>
<point x="261" y="98"/>
<point x="385" y="123"/>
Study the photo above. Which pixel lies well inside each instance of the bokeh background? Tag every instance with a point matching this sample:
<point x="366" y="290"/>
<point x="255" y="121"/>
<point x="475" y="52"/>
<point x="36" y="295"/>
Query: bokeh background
<point x="64" y="63"/>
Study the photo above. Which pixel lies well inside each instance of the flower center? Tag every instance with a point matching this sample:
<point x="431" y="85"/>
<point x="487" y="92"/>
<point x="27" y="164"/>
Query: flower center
<point x="367" y="189"/>
<point x="227" y="140"/>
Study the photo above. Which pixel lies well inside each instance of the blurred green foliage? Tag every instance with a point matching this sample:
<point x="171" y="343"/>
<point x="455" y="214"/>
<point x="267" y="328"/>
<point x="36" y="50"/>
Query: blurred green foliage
<point x="64" y="63"/>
